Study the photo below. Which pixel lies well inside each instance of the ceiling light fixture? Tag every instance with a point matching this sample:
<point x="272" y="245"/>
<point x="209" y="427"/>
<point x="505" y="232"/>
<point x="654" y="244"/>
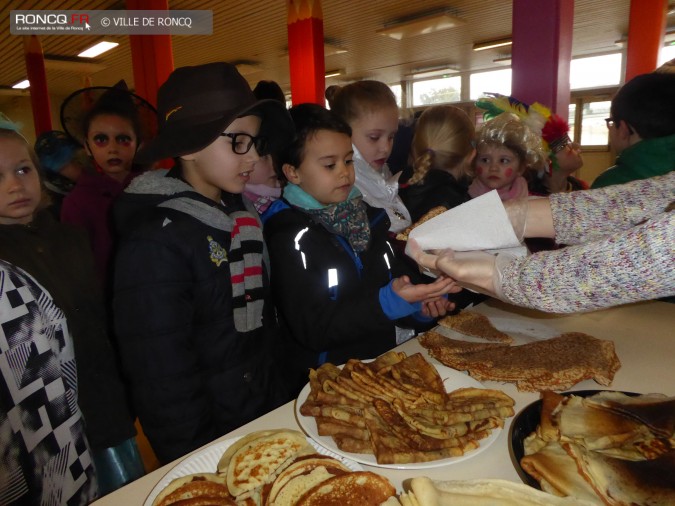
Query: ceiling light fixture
<point x="437" y="70"/>
<point x="420" y="24"/>
<point x="22" y="85"/>
<point x="503" y="59"/>
<point x="490" y="44"/>
<point x="331" y="49"/>
<point x="334" y="73"/>
<point x="98" y="49"/>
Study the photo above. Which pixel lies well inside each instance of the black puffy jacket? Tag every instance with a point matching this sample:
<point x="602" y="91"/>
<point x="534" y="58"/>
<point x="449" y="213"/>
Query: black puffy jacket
<point x="194" y="377"/>
<point x="326" y="294"/>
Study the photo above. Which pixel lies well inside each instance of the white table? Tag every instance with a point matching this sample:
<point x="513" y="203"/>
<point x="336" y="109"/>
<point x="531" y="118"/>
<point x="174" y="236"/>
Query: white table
<point x="644" y="337"/>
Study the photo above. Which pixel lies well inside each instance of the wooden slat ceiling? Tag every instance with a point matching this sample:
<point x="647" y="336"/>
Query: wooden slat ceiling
<point x="255" y="30"/>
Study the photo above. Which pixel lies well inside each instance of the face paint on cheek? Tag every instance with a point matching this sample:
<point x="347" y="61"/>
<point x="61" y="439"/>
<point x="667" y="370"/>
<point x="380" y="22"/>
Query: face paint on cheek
<point x="508" y="172"/>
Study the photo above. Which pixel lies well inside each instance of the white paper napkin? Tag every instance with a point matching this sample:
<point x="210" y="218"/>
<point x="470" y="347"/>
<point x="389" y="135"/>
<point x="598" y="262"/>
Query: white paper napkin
<point x="479" y="224"/>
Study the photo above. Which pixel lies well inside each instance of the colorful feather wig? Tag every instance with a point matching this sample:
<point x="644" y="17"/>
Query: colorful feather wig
<point x="552" y="128"/>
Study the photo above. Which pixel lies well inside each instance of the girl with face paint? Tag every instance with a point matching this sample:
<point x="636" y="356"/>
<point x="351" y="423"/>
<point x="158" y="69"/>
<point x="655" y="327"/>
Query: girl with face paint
<point x="505" y="149"/>
<point x="111" y="127"/>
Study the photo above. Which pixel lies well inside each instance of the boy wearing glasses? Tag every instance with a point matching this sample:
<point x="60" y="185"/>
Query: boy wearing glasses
<point x="192" y="320"/>
<point x="641" y="130"/>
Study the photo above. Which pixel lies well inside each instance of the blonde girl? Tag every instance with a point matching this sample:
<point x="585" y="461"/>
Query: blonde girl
<point x="506" y="148"/>
<point x="369" y="107"/>
<point x="442" y="150"/>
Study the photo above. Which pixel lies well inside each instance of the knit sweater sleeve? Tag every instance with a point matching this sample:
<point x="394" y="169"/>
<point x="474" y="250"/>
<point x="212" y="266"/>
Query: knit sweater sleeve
<point x="630" y="266"/>
<point x="584" y="216"/>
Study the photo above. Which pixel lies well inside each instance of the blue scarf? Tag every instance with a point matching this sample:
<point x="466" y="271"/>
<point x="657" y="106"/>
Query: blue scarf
<point x="347" y="219"/>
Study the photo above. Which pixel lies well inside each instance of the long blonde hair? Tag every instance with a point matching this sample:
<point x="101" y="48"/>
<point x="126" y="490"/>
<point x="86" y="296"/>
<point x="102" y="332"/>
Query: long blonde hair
<point x="443" y="140"/>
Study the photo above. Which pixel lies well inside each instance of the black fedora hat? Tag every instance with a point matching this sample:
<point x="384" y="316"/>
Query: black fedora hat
<point x="196" y="104"/>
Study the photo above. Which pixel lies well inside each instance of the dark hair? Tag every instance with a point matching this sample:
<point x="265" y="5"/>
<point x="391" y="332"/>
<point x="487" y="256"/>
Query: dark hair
<point x="269" y="89"/>
<point x="362" y="97"/>
<point x="114" y="102"/>
<point x="308" y="120"/>
<point x="647" y="104"/>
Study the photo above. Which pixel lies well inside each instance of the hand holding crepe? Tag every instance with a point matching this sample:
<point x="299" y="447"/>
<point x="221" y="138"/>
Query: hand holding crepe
<point x="479" y="224"/>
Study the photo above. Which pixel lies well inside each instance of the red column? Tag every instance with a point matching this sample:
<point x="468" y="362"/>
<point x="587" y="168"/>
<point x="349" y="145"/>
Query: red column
<point x="39" y="93"/>
<point x="541" y="52"/>
<point x="151" y="55"/>
<point x="646" y="32"/>
<point x="305" y="51"/>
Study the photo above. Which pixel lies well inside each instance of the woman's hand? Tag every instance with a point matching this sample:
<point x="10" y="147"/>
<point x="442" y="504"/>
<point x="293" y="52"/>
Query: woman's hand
<point x="473" y="270"/>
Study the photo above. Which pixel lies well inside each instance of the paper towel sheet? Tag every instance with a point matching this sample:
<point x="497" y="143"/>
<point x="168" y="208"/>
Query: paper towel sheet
<point x="479" y="224"/>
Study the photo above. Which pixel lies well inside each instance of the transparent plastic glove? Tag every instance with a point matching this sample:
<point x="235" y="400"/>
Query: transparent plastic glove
<point x="516" y="210"/>
<point x="471" y="269"/>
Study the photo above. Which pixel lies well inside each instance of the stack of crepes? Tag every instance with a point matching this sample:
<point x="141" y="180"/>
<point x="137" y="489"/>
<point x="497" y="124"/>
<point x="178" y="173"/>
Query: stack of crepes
<point x="397" y="408"/>
<point x="277" y="468"/>
<point x="608" y="448"/>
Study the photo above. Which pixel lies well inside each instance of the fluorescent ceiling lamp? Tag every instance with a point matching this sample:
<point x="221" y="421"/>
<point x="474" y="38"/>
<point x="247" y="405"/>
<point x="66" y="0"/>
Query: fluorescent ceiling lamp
<point x="22" y="85"/>
<point x="438" y="70"/>
<point x="334" y="73"/>
<point x="491" y="44"/>
<point x="98" y="49"/>
<point x="503" y="60"/>
<point x="331" y="49"/>
<point x="420" y="24"/>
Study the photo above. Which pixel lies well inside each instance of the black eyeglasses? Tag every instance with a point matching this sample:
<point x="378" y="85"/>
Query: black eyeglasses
<point x="241" y="143"/>
<point x="610" y="122"/>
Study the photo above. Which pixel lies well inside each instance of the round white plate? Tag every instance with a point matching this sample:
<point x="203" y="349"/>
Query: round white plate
<point x="452" y="380"/>
<point x="206" y="461"/>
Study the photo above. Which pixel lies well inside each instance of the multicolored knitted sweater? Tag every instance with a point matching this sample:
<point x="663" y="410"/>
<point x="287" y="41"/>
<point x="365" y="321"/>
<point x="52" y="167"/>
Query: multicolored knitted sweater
<point x="622" y="250"/>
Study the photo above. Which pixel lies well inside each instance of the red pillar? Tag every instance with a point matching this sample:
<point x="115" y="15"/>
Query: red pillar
<point x="541" y="52"/>
<point x="646" y="32"/>
<point x="39" y="93"/>
<point x="305" y="51"/>
<point x="151" y="55"/>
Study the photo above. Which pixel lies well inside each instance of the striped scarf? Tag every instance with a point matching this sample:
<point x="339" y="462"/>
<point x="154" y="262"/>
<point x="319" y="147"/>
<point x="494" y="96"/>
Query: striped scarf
<point x="246" y="271"/>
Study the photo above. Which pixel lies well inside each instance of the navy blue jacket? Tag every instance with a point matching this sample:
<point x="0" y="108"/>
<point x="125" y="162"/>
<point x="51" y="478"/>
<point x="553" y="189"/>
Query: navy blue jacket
<point x="328" y="297"/>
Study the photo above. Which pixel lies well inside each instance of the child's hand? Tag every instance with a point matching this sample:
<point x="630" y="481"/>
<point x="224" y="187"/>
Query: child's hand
<point x="439" y="306"/>
<point x="417" y="293"/>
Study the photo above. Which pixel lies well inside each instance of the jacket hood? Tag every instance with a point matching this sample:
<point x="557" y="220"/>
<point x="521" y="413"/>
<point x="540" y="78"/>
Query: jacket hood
<point x="158" y="189"/>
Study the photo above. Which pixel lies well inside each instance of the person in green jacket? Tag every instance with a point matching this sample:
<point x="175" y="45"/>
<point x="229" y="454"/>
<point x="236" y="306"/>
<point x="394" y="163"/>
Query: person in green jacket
<point x="641" y="130"/>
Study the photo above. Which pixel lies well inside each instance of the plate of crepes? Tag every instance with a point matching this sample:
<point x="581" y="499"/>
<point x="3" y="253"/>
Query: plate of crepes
<point x="400" y="412"/>
<point x="600" y="446"/>
<point x="278" y="467"/>
<point x="555" y="363"/>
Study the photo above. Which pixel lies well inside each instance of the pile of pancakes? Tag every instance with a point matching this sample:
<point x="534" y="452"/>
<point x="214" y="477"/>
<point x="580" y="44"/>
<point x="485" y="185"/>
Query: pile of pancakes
<point x="396" y="408"/>
<point x="608" y="448"/>
<point x="277" y="468"/>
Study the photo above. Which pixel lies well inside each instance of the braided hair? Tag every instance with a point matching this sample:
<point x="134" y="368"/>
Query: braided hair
<point x="443" y="140"/>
